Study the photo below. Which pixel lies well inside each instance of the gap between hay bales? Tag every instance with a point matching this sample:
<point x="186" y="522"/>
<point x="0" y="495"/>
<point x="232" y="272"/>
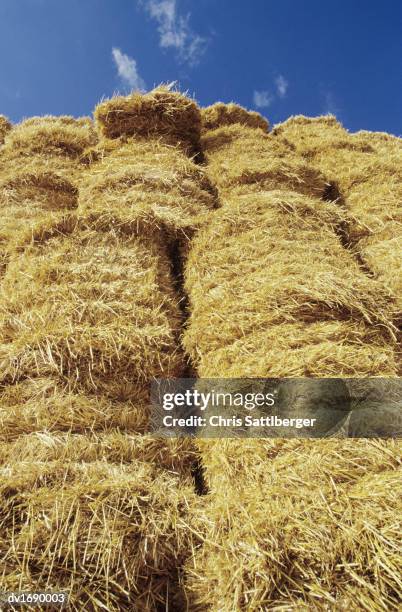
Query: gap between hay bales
<point x="333" y="195"/>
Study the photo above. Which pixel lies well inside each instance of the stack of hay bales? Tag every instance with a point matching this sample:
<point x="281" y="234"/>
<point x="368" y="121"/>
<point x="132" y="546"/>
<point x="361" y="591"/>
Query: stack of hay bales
<point x="91" y="310"/>
<point x="274" y="293"/>
<point x="80" y="343"/>
<point x="365" y="166"/>
<point x="100" y="311"/>
<point x="272" y="290"/>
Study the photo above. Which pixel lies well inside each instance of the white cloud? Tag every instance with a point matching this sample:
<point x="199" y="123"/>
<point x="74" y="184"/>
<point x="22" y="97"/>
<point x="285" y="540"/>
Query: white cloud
<point x="127" y="70"/>
<point x="281" y="85"/>
<point x="175" y="31"/>
<point x="262" y="99"/>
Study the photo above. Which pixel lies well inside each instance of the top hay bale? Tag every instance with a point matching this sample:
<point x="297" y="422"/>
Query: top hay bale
<point x="161" y="113"/>
<point x="5" y="126"/>
<point x="220" y="114"/>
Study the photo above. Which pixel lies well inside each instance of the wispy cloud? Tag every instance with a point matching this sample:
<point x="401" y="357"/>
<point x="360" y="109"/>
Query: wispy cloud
<point x="262" y="99"/>
<point x="281" y="85"/>
<point x="330" y="103"/>
<point x="127" y="70"/>
<point x="175" y="31"/>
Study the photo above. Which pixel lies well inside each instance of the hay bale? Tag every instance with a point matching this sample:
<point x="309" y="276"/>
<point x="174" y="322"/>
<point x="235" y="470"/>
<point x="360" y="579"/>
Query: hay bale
<point x="299" y="525"/>
<point x="341" y="160"/>
<point x="60" y="136"/>
<point x="32" y="204"/>
<point x="113" y="536"/>
<point x="163" y="114"/>
<point x="114" y="447"/>
<point x="326" y="145"/>
<point x="5" y="127"/>
<point x="351" y="165"/>
<point x="219" y="114"/>
<point x="291" y="350"/>
<point x="262" y="306"/>
<point x="256" y="457"/>
<point x="245" y="158"/>
<point x="304" y="132"/>
<point x="42" y="421"/>
<point x="45" y="405"/>
<point x="99" y="311"/>
<point x="59" y="120"/>
<point x="347" y="159"/>
<point x="144" y="187"/>
<point x="47" y="144"/>
<point x="379" y="390"/>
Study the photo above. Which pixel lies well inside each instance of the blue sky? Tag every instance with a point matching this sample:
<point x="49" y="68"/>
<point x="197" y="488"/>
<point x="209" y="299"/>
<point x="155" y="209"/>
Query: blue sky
<point x="281" y="57"/>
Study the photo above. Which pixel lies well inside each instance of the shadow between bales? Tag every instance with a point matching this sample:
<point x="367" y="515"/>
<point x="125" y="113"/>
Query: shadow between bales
<point x="332" y="194"/>
<point x="177" y="261"/>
